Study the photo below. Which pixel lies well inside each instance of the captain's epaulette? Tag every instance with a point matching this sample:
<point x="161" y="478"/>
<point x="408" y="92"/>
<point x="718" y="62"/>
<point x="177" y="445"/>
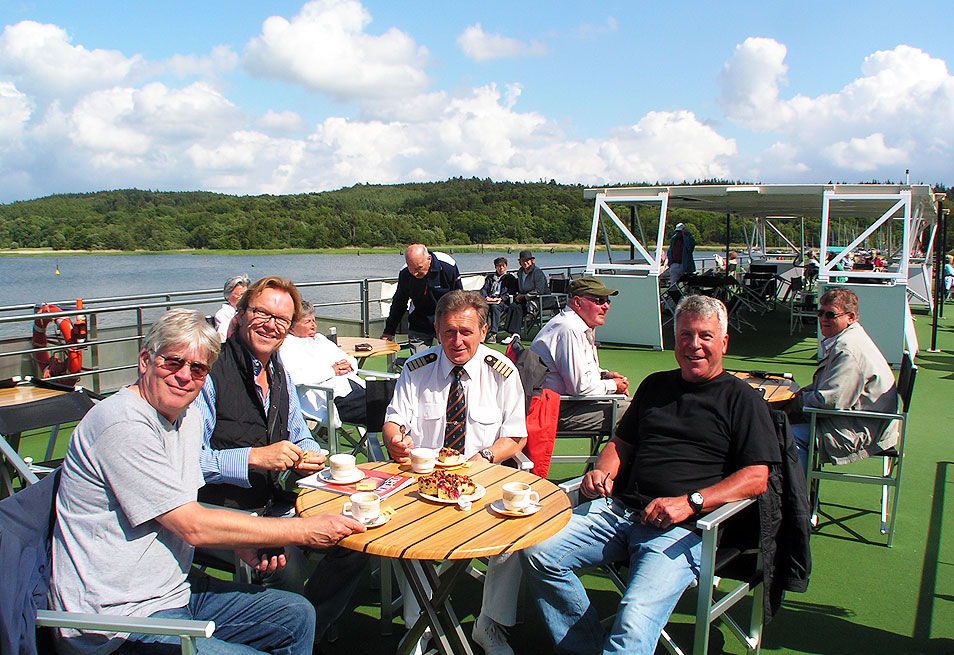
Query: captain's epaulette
<point x="418" y="362"/>
<point x="499" y="365"/>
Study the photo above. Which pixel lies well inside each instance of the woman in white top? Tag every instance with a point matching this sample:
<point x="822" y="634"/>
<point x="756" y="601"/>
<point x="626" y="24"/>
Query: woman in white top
<point x="234" y="288"/>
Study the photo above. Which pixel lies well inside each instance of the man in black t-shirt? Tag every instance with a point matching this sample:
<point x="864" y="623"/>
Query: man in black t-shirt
<point x="693" y="439"/>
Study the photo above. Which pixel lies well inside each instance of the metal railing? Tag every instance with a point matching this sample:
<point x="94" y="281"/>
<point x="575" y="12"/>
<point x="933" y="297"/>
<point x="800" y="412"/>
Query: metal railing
<point x="117" y="324"/>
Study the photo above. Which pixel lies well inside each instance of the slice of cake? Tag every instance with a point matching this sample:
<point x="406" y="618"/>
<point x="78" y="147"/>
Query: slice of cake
<point x="449" y="456"/>
<point x="446" y="486"/>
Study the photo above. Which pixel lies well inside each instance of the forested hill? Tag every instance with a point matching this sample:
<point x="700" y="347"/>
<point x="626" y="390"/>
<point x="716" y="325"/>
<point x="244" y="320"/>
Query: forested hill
<point x="454" y="212"/>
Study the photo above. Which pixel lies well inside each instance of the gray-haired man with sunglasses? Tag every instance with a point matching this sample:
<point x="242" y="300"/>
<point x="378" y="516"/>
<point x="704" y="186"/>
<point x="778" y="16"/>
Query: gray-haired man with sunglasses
<point x="567" y="345"/>
<point x="852" y="374"/>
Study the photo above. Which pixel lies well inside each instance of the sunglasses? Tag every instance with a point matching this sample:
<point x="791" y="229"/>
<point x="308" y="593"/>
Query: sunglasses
<point x="822" y="313"/>
<point x="197" y="370"/>
<point x="262" y="316"/>
<point x="597" y="300"/>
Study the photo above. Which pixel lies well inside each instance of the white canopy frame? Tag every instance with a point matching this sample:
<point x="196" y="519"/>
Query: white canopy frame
<point x="603" y="212"/>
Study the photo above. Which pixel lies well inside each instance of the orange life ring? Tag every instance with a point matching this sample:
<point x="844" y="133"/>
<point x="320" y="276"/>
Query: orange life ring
<point x="50" y="364"/>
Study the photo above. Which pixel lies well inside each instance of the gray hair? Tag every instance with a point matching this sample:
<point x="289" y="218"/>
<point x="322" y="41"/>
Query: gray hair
<point x="183" y="327"/>
<point x="235" y="281"/>
<point x="307" y="309"/>
<point x="703" y="306"/>
<point x="458" y="301"/>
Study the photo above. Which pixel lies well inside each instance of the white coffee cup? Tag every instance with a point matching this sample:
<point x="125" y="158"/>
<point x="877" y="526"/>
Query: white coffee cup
<point x="342" y="466"/>
<point x="422" y="459"/>
<point x="364" y="506"/>
<point x="517" y="496"/>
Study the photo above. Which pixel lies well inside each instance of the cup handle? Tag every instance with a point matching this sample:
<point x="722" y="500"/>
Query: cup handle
<point x="534" y="497"/>
<point x="347" y="509"/>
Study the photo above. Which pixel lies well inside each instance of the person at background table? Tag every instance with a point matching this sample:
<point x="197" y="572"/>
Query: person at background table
<point x="567" y="345"/>
<point x="254" y="431"/>
<point x="531" y="282"/>
<point x="852" y="374"/>
<point x="948" y="276"/>
<point x="310" y="358"/>
<point x="424" y="280"/>
<point x="693" y="439"/>
<point x="499" y="290"/>
<point x="127" y="520"/>
<point x="234" y="288"/>
<point x="679" y="255"/>
<point x="494" y="428"/>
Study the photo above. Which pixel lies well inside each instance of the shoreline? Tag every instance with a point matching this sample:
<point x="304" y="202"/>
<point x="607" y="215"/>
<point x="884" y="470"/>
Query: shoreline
<point x="509" y="248"/>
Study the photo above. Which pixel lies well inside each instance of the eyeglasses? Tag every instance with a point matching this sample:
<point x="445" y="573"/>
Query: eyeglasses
<point x="823" y="313"/>
<point x="262" y="316"/>
<point x="197" y="370"/>
<point x="597" y="300"/>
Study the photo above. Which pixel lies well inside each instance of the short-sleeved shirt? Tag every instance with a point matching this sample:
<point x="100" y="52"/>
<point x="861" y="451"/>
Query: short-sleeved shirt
<point x="125" y="466"/>
<point x="495" y="399"/>
<point x="687" y="436"/>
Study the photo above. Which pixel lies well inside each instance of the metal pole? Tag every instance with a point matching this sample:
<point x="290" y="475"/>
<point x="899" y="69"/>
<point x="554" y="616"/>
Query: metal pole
<point x="727" y="237"/>
<point x="938" y="278"/>
<point x="632" y="229"/>
<point x="943" y="236"/>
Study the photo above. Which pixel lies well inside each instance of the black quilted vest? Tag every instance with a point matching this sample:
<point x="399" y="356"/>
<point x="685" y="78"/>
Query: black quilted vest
<point x="240" y="421"/>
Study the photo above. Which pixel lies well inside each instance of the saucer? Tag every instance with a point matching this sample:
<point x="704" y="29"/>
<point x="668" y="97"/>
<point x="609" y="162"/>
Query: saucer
<point x="499" y="507"/>
<point x="447" y="465"/>
<point x="376" y="522"/>
<point x="325" y="475"/>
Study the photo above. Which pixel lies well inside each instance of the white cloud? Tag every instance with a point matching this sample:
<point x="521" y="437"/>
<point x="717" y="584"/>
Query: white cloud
<point x="45" y="64"/>
<point x="15" y="110"/>
<point x="279" y="121"/>
<point x="481" y="46"/>
<point x="896" y="115"/>
<point x="324" y="48"/>
<point x="221" y="60"/>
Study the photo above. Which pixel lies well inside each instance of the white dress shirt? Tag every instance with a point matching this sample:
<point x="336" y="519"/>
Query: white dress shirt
<point x="495" y="399"/>
<point x="568" y="348"/>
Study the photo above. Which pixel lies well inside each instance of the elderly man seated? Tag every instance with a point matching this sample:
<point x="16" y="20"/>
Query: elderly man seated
<point x="567" y="345"/>
<point x="311" y="359"/>
<point x="693" y="439"/>
<point x="234" y="287"/>
<point x="499" y="290"/>
<point x="463" y="395"/>
<point x="127" y="519"/>
<point x="852" y="374"/>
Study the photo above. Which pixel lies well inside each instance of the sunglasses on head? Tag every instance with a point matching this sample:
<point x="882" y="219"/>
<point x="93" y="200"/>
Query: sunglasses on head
<point x="197" y="370"/>
<point x="827" y="313"/>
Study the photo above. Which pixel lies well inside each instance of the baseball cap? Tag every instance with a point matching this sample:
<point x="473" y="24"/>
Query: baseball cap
<point x="680" y="226"/>
<point x="590" y="285"/>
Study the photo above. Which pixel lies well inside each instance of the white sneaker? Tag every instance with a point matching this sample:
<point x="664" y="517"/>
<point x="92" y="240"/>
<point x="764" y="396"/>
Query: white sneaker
<point x="509" y="339"/>
<point x="421" y="647"/>
<point x="491" y="636"/>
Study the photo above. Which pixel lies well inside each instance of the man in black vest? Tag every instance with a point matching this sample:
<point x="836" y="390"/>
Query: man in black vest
<point x="254" y="431"/>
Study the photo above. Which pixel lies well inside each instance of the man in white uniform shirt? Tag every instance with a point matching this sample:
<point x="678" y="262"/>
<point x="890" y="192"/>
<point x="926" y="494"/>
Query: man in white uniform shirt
<point x="494" y="427"/>
<point x="311" y="358"/>
<point x="567" y="345"/>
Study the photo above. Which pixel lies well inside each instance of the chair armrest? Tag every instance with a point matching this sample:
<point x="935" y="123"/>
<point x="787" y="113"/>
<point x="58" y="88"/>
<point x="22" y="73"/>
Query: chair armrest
<point x="572" y="489"/>
<point x="378" y="375"/>
<point x="138" y="624"/>
<point x="605" y="396"/>
<point x="523" y="462"/>
<point x="852" y="412"/>
<point x="715" y="518"/>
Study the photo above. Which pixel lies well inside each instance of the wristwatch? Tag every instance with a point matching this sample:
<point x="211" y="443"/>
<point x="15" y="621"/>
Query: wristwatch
<point x="696" y="502"/>
<point x="487" y="454"/>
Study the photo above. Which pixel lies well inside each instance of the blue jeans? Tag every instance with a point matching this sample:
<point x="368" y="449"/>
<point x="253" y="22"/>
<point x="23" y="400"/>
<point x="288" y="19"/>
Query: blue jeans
<point x="801" y="433"/>
<point x="662" y="564"/>
<point x="248" y="619"/>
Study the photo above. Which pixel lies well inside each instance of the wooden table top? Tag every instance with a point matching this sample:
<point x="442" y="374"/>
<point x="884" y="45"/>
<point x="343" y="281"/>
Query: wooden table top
<point x="776" y="389"/>
<point x="25" y="393"/>
<point x="421" y="529"/>
<point x="378" y="346"/>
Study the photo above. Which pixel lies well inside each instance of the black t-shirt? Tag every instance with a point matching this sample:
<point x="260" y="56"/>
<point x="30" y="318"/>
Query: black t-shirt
<point x="687" y="437"/>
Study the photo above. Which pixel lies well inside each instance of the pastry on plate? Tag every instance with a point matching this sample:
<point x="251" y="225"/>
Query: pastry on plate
<point x="446" y="486"/>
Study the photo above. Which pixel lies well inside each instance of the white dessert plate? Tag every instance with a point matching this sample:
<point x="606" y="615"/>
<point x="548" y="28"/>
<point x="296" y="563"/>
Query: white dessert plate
<point x="325" y="475"/>
<point x="376" y="522"/>
<point x="477" y="495"/>
<point x="447" y="465"/>
<point x="499" y="507"/>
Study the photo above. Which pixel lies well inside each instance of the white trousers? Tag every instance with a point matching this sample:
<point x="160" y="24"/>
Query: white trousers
<point x="501" y="586"/>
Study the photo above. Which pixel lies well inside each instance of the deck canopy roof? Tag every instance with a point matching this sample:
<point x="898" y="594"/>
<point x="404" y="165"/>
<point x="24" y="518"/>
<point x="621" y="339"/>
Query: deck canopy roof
<point x="777" y="200"/>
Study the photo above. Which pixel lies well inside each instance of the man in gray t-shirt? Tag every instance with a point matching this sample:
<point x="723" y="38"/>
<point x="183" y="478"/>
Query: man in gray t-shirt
<point x="127" y="519"/>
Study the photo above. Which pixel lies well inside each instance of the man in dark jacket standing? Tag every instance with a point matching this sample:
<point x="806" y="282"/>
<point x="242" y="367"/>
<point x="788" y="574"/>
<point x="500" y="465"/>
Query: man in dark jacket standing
<point x="422" y="282"/>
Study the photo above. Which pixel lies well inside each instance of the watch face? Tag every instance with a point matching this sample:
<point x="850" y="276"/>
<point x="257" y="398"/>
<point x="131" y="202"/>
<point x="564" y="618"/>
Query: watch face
<point x="696" y="500"/>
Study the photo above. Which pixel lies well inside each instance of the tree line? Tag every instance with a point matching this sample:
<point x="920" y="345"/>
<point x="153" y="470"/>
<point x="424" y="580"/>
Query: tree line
<point x="453" y="212"/>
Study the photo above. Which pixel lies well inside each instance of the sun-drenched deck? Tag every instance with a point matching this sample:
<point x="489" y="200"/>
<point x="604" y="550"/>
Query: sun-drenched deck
<point x="863" y="597"/>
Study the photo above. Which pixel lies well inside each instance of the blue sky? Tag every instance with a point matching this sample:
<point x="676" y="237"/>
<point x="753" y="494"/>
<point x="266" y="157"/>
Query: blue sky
<point x="253" y="97"/>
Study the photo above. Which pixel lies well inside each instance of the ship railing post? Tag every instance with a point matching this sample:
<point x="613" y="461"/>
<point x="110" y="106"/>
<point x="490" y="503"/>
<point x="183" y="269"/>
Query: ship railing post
<point x="365" y="309"/>
<point x="93" y="335"/>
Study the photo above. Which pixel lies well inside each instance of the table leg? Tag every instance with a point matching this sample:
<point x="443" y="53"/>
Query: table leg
<point x="433" y="595"/>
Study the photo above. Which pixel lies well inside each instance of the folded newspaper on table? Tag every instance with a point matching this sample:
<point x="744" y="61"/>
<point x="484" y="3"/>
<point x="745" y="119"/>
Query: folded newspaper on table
<point x="384" y="484"/>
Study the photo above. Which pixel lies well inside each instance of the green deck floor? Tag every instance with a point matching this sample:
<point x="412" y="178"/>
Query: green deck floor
<point x="863" y="598"/>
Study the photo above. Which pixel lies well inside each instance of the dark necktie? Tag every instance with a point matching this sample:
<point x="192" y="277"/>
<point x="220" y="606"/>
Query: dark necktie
<point x="455" y="427"/>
